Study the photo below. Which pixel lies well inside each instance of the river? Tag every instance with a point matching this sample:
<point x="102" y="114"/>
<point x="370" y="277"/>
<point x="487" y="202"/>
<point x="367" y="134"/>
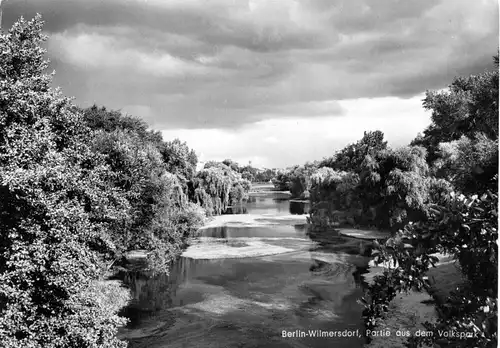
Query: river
<point x="249" y="279"/>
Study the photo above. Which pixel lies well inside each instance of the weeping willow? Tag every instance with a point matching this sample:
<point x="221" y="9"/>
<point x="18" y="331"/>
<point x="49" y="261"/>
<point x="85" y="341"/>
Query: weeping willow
<point x="214" y="189"/>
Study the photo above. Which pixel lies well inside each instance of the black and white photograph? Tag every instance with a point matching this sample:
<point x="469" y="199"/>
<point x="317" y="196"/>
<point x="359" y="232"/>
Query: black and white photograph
<point x="249" y="173"/>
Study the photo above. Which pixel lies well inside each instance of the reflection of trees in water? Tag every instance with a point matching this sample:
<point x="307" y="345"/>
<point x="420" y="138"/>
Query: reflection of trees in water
<point x="342" y="293"/>
<point x="216" y="232"/>
<point x="280" y="199"/>
<point x="237" y="209"/>
<point x="338" y="296"/>
<point x="299" y="208"/>
<point x="358" y="277"/>
<point x="301" y="230"/>
<point x="151" y="294"/>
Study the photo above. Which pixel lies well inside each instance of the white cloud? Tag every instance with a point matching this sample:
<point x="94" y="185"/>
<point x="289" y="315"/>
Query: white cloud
<point x="282" y="142"/>
<point x="95" y="51"/>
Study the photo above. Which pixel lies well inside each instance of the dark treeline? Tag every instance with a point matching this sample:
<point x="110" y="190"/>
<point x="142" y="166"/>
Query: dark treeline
<point x="436" y="195"/>
<point x="79" y="188"/>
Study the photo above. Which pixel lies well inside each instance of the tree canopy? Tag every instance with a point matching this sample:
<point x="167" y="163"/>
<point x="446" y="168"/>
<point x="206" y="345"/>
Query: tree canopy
<point x="79" y="187"/>
<point x="57" y="204"/>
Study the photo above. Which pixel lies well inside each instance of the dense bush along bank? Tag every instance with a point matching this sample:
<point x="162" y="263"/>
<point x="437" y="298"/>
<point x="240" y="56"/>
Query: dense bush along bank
<point x="296" y="179"/>
<point x="79" y="187"/>
<point x="438" y="194"/>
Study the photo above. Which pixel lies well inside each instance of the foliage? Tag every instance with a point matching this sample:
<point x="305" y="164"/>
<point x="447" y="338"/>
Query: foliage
<point x="467" y="228"/>
<point x="282" y="180"/>
<point x="217" y="187"/>
<point x="389" y="187"/>
<point x="211" y="188"/>
<point x="154" y="176"/>
<point x="78" y="188"/>
<point x="470" y="163"/>
<point x="264" y="175"/>
<point x="231" y="164"/>
<point x="352" y="156"/>
<point x="155" y="195"/>
<point x="463" y="150"/>
<point x="57" y="205"/>
<point x="248" y="172"/>
<point x="100" y="118"/>
<point x="179" y="158"/>
<point x="469" y="106"/>
<point x="257" y="175"/>
<point x="332" y="197"/>
<point x="296" y="179"/>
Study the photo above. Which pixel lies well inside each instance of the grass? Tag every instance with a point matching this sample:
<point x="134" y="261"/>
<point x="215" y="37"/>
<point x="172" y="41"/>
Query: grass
<point x="408" y="312"/>
<point x="445" y="278"/>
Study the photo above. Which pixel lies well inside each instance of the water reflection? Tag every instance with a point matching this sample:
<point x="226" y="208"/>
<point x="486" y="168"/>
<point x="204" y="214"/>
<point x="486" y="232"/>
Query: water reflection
<point x="260" y="231"/>
<point x="255" y="297"/>
<point x="299" y="208"/>
<point x="152" y="294"/>
<point x="276" y="205"/>
<point x="237" y="209"/>
<point x="191" y="281"/>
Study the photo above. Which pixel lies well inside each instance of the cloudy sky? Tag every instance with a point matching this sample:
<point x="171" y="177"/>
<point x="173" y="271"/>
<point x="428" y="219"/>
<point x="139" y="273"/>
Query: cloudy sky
<point x="275" y="82"/>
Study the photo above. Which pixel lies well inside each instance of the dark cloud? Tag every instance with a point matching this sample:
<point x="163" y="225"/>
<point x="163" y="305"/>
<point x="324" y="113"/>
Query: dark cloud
<point x="193" y="64"/>
<point x="212" y="23"/>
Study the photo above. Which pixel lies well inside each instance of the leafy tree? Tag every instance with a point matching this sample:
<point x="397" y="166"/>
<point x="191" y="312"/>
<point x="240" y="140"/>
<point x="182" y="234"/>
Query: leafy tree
<point x="153" y="193"/>
<point x="467" y="228"/>
<point x="395" y="184"/>
<point x="282" y="180"/>
<point x="231" y="164"/>
<point x="100" y="118"/>
<point x="248" y="176"/>
<point x="211" y="188"/>
<point x="264" y="175"/>
<point x="300" y="180"/>
<point x="180" y="159"/>
<point x="296" y="179"/>
<point x="388" y="188"/>
<point x="470" y="163"/>
<point x="463" y="145"/>
<point x="352" y="156"/>
<point x="333" y="198"/>
<point x="57" y="205"/>
<point x="217" y="187"/>
<point x="470" y="106"/>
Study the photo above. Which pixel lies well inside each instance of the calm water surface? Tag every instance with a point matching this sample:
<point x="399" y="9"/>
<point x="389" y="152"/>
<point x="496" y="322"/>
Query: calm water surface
<point x="249" y="302"/>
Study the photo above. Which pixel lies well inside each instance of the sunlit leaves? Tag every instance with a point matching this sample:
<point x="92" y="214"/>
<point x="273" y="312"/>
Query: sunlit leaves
<point x="54" y="209"/>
